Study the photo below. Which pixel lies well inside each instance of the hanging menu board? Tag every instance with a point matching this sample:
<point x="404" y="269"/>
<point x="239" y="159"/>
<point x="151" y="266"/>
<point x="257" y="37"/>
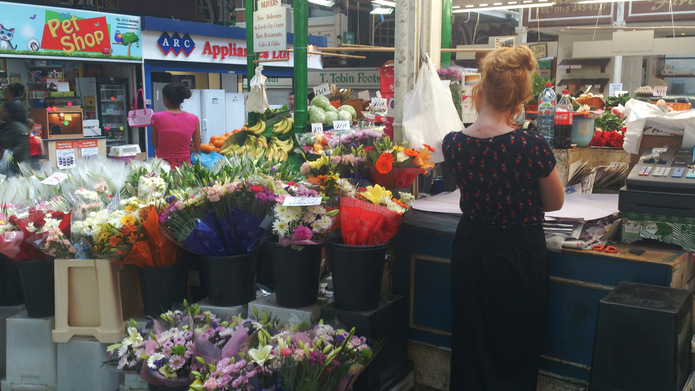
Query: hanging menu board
<point x="569" y="15"/>
<point x="659" y="10"/>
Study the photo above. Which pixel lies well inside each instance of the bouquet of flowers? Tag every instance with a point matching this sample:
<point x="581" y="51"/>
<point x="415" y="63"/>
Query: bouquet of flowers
<point x="610" y="129"/>
<point x="373" y="217"/>
<point x="301" y="217"/>
<point x="50" y="228"/>
<point x="320" y="358"/>
<point x="394" y="166"/>
<point x="222" y="219"/>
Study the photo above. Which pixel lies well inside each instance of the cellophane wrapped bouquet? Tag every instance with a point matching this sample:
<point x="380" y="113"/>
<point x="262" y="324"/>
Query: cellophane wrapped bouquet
<point x="396" y="166"/>
<point x="373" y="216"/>
<point x="223" y="218"/>
<point x="301" y="216"/>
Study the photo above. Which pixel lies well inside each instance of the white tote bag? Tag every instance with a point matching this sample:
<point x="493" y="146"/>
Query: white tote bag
<point x="429" y="113"/>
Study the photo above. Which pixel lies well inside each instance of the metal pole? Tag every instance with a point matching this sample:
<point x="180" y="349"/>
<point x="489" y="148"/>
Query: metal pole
<point x="447" y="16"/>
<point x="301" y="31"/>
<point x="250" y="55"/>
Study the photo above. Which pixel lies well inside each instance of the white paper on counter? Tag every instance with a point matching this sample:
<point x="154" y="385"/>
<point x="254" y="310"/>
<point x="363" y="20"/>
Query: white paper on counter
<point x="586" y="207"/>
<point x="441" y="203"/>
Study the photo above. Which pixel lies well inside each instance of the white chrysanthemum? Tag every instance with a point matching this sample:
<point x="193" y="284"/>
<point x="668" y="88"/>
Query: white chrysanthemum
<point x="401" y="157"/>
<point x="406" y="198"/>
<point x="280" y="227"/>
<point x="392" y="206"/>
<point x="153" y="358"/>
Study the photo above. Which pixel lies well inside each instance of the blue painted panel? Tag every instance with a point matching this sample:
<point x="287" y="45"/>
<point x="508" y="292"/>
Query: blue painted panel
<point x="571" y="321"/>
<point x="607" y="271"/>
<point x="432" y="295"/>
<point x="564" y="370"/>
<point x="429" y="338"/>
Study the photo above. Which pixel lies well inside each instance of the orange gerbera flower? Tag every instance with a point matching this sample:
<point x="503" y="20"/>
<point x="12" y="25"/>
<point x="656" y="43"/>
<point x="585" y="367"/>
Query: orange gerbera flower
<point x="114" y="241"/>
<point x="410" y="152"/>
<point x="428" y="147"/>
<point x="384" y="164"/>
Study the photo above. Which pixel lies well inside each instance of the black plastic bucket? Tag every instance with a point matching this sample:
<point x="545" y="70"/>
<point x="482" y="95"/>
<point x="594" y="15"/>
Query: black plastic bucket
<point x="357" y="273"/>
<point x="295" y="273"/>
<point x="10" y="283"/>
<point x="38" y="287"/>
<point x="162" y="286"/>
<point x="230" y="280"/>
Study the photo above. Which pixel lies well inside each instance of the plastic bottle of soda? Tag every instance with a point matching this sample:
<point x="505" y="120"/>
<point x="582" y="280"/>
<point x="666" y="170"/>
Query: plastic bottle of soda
<point x="546" y="113"/>
<point x="563" y="121"/>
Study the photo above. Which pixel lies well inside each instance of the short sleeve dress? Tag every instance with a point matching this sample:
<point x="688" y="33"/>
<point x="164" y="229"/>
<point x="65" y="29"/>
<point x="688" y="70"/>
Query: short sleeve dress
<point x="174" y="131"/>
<point x="498" y="266"/>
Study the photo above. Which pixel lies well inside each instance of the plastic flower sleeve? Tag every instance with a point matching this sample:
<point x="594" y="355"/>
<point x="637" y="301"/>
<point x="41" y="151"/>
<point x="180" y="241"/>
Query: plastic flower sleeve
<point x="363" y="223"/>
<point x="397" y="178"/>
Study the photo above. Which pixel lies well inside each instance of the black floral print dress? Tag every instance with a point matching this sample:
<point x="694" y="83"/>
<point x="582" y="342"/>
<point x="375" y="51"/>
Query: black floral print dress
<point x="499" y="275"/>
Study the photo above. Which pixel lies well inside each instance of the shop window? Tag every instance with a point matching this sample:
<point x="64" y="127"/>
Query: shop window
<point x="384" y="33"/>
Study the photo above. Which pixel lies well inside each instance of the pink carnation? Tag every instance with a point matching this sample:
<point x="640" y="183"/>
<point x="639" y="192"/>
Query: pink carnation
<point x="301" y="233"/>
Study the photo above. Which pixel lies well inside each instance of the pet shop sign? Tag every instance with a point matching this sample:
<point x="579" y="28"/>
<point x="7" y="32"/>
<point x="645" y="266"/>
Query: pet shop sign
<point x="45" y="31"/>
<point x="70" y="35"/>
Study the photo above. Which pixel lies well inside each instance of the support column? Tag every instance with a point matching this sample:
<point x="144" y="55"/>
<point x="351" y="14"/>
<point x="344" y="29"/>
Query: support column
<point x="405" y="60"/>
<point x="618" y="60"/>
<point x="447" y="20"/>
<point x="250" y="55"/>
<point x="301" y="31"/>
<point x="431" y="11"/>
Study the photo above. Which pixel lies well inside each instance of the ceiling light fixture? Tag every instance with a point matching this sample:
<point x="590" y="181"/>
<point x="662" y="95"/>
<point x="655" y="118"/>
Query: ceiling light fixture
<point x="605" y="1"/>
<point x="382" y="11"/>
<point x="385" y="2"/>
<point x="325" y="3"/>
<point x="473" y="8"/>
<point x="455" y="7"/>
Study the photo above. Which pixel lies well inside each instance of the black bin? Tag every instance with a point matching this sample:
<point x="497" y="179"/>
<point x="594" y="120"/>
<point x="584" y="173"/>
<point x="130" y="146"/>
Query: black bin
<point x="642" y="339"/>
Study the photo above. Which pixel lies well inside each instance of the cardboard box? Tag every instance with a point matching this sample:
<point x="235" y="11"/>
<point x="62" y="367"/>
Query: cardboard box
<point x="655" y="141"/>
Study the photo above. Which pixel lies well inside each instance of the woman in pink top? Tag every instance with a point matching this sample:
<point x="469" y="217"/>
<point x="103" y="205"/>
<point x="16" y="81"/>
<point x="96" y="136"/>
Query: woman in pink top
<point x="173" y="129"/>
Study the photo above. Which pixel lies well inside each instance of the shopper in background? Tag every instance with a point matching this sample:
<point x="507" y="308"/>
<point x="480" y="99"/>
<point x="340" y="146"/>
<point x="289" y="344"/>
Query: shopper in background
<point x="14" y="136"/>
<point x="290" y="101"/>
<point x="574" y="86"/>
<point x="499" y="277"/>
<point x="175" y="133"/>
<point x="14" y="91"/>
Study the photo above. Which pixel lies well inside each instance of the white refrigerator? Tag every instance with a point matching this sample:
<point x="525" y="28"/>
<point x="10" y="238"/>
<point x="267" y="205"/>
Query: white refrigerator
<point x="236" y="110"/>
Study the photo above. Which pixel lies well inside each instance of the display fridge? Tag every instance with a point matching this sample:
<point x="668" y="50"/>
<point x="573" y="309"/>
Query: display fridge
<point x="107" y="99"/>
<point x="218" y="112"/>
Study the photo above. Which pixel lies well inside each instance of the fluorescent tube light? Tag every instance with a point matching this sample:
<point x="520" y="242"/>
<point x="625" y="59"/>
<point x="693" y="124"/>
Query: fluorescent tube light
<point x="382" y="11"/>
<point x="605" y="1"/>
<point x="325" y="3"/>
<point x="387" y="3"/>
<point x="470" y="8"/>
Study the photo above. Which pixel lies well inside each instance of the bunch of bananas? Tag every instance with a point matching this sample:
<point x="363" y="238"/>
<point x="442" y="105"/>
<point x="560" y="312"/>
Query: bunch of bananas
<point x="284" y="126"/>
<point x="257" y="147"/>
<point x="280" y="150"/>
<point x="258" y="128"/>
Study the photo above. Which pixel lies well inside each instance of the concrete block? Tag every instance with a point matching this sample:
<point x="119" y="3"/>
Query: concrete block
<point x="133" y="382"/>
<point x="310" y="314"/>
<point x="223" y="312"/>
<point x="6" y="312"/>
<point x="80" y="366"/>
<point x="32" y="353"/>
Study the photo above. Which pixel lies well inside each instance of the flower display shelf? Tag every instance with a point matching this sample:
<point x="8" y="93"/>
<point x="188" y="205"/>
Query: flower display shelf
<point x="32" y="365"/>
<point x="284" y="315"/>
<point x="80" y="366"/>
<point x="94" y="298"/>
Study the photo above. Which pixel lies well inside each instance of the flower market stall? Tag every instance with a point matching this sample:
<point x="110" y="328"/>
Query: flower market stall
<point x="135" y="228"/>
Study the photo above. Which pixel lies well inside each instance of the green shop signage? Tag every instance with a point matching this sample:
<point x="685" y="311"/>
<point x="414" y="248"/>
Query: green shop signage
<point x="346" y="77"/>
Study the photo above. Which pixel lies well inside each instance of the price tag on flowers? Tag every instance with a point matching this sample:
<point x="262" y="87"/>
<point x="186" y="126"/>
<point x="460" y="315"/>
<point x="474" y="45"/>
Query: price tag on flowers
<point x="341" y="125"/>
<point x="302" y="201"/>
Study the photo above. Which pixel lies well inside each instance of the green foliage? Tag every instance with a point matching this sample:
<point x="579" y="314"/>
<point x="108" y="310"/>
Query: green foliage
<point x="539" y="86"/>
<point x="614" y="101"/>
<point x="609" y="122"/>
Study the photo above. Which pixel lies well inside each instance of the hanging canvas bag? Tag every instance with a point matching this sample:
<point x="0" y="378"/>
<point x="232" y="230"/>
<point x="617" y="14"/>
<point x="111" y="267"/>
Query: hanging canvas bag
<point x="429" y="113"/>
<point x="140" y="118"/>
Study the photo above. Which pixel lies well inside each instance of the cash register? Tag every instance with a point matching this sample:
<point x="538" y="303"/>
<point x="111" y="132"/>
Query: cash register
<point x="658" y="199"/>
